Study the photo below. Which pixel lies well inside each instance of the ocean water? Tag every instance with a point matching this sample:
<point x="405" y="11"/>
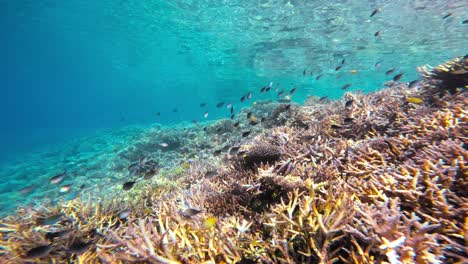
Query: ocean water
<point x="81" y="79"/>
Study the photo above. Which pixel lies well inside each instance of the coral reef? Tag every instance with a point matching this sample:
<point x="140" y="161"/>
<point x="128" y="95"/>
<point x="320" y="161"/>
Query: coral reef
<point x="377" y="178"/>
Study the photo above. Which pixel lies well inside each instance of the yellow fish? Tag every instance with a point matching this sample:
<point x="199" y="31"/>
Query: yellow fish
<point x="353" y="71"/>
<point x="414" y="100"/>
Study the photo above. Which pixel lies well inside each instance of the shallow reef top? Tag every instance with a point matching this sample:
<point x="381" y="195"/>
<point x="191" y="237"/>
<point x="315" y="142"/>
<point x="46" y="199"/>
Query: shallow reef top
<point x="377" y="178"/>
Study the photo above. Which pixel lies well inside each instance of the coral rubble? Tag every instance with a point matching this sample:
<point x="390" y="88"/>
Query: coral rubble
<point x="374" y="179"/>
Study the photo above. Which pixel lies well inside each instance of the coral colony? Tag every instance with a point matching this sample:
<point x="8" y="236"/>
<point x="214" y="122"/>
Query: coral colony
<point x="377" y="178"/>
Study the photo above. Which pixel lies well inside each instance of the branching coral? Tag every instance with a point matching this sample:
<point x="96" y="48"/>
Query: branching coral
<point x="375" y="179"/>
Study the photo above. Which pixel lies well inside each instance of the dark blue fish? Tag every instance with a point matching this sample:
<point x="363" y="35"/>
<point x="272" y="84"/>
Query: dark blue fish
<point x="220" y="104"/>
<point x="390" y="71"/>
<point x="346" y="86"/>
<point x="39" y="252"/>
<point x="343" y="61"/>
<point x="293" y="90"/>
<point x="318" y="77"/>
<point x="304" y="73"/>
<point x="397" y="77"/>
<point x="447" y="15"/>
<point x="202" y="104"/>
<point x="377" y="34"/>
<point x="465" y="21"/>
<point x="375" y="12"/>
<point x="338" y="68"/>
<point x="242" y="99"/>
<point x="413" y="84"/>
<point x="128" y="185"/>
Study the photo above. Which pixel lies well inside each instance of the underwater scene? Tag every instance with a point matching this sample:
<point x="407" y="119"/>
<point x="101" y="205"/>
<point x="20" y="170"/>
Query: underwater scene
<point x="234" y="131"/>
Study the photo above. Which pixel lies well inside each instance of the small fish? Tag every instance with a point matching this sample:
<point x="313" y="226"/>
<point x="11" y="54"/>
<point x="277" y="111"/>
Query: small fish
<point x="293" y="90"/>
<point x="195" y="121"/>
<point x="249" y="95"/>
<point x="232" y="110"/>
<point x="220" y="104"/>
<point x="246" y="134"/>
<point x="164" y="145"/>
<point x="397" y="77"/>
<point x="318" y="77"/>
<point x="65" y="188"/>
<point x="323" y="98"/>
<point x="124" y="214"/>
<point x="233" y="116"/>
<point x="375" y="12"/>
<point x="58" y="178"/>
<point x="378" y="64"/>
<point x="39" y="252"/>
<point x="335" y="126"/>
<point x="390" y="71"/>
<point x="343" y="61"/>
<point x="253" y="120"/>
<point x="348" y="119"/>
<point x="249" y="114"/>
<point x="346" y="86"/>
<point x="280" y="93"/>
<point x="304" y="73"/>
<point x="242" y="99"/>
<point x="311" y="73"/>
<point x="447" y="15"/>
<point x="268" y="89"/>
<point x="128" y="185"/>
<point x="270" y="84"/>
<point x="263" y="119"/>
<point x="71" y="196"/>
<point x="236" y="124"/>
<point x="376" y="34"/>
<point x="50" y="220"/>
<point x="229" y="106"/>
<point x="202" y="104"/>
<point x="349" y="103"/>
<point x="189" y="212"/>
<point x="211" y="173"/>
<point x="353" y="71"/>
<point x="59" y="234"/>
<point x="210" y="221"/>
<point x="27" y="189"/>
<point x="338" y="68"/>
<point x="79" y="247"/>
<point x="413" y="84"/>
<point x="465" y="21"/>
<point x="234" y="150"/>
<point x="217" y="152"/>
<point x="414" y="100"/>
<point x="158" y="114"/>
<point x="205" y="115"/>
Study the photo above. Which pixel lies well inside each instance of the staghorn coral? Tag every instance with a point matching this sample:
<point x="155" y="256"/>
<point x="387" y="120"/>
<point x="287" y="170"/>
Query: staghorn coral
<point x="450" y="75"/>
<point x="389" y="186"/>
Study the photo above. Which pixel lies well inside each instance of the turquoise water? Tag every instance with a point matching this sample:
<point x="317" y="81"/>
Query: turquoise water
<point x="73" y="69"/>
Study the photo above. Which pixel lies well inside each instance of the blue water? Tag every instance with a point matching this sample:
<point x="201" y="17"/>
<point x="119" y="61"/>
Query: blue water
<point x="72" y="68"/>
